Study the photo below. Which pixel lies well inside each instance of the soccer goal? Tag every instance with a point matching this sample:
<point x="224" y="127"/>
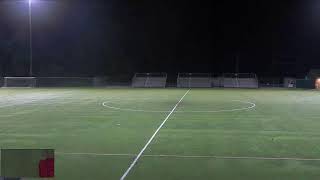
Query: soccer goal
<point x="240" y="80"/>
<point x="196" y="80"/>
<point x="149" y="80"/>
<point x="20" y="82"/>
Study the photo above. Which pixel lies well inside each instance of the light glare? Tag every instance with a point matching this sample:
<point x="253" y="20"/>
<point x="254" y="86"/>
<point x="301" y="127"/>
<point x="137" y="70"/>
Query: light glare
<point x="318" y="83"/>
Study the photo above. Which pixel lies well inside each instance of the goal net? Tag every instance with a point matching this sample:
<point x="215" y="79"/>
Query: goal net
<point x="240" y="80"/>
<point x="19" y="82"/>
<point x="196" y="80"/>
<point x="150" y="80"/>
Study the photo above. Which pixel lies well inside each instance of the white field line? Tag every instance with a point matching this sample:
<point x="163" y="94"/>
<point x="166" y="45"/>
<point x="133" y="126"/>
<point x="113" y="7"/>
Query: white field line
<point x="195" y="156"/>
<point x="152" y="137"/>
<point x="252" y="105"/>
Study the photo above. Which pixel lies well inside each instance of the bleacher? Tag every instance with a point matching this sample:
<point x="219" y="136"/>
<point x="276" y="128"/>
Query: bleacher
<point x="240" y="80"/>
<point x="248" y="83"/>
<point x="194" y="80"/>
<point x="230" y="82"/>
<point x="140" y="80"/>
<point x="217" y="82"/>
<point x="149" y="80"/>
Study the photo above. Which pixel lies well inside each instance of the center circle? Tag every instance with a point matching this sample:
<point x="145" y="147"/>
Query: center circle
<point x="112" y="104"/>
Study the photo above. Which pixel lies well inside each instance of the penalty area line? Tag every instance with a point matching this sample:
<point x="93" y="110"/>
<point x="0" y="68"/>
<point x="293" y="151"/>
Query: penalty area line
<point x="152" y="137"/>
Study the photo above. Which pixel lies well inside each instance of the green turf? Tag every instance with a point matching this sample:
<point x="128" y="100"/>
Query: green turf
<point x="284" y="124"/>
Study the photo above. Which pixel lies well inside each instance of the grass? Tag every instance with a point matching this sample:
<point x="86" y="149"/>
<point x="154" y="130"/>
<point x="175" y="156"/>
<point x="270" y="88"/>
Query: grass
<point x="283" y="124"/>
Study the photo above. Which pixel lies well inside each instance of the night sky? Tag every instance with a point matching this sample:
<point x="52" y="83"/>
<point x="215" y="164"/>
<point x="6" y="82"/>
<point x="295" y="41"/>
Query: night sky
<point x="114" y="37"/>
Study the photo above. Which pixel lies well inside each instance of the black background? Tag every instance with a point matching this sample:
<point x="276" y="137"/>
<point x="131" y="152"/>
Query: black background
<point x="98" y="38"/>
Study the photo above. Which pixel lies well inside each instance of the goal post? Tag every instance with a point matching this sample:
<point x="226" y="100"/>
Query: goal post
<point x="20" y="82"/>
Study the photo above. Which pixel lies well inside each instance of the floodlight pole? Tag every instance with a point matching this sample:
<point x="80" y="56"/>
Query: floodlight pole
<point x="30" y="40"/>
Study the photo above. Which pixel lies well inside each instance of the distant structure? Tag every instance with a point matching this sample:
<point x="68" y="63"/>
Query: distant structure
<point x="194" y="80"/>
<point x="149" y="80"/>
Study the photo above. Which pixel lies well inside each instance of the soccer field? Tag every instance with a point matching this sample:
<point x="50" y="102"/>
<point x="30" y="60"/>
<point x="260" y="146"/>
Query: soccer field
<point x="207" y="134"/>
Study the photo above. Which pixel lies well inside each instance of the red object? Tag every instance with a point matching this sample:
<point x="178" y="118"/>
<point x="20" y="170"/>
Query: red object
<point x="46" y="168"/>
